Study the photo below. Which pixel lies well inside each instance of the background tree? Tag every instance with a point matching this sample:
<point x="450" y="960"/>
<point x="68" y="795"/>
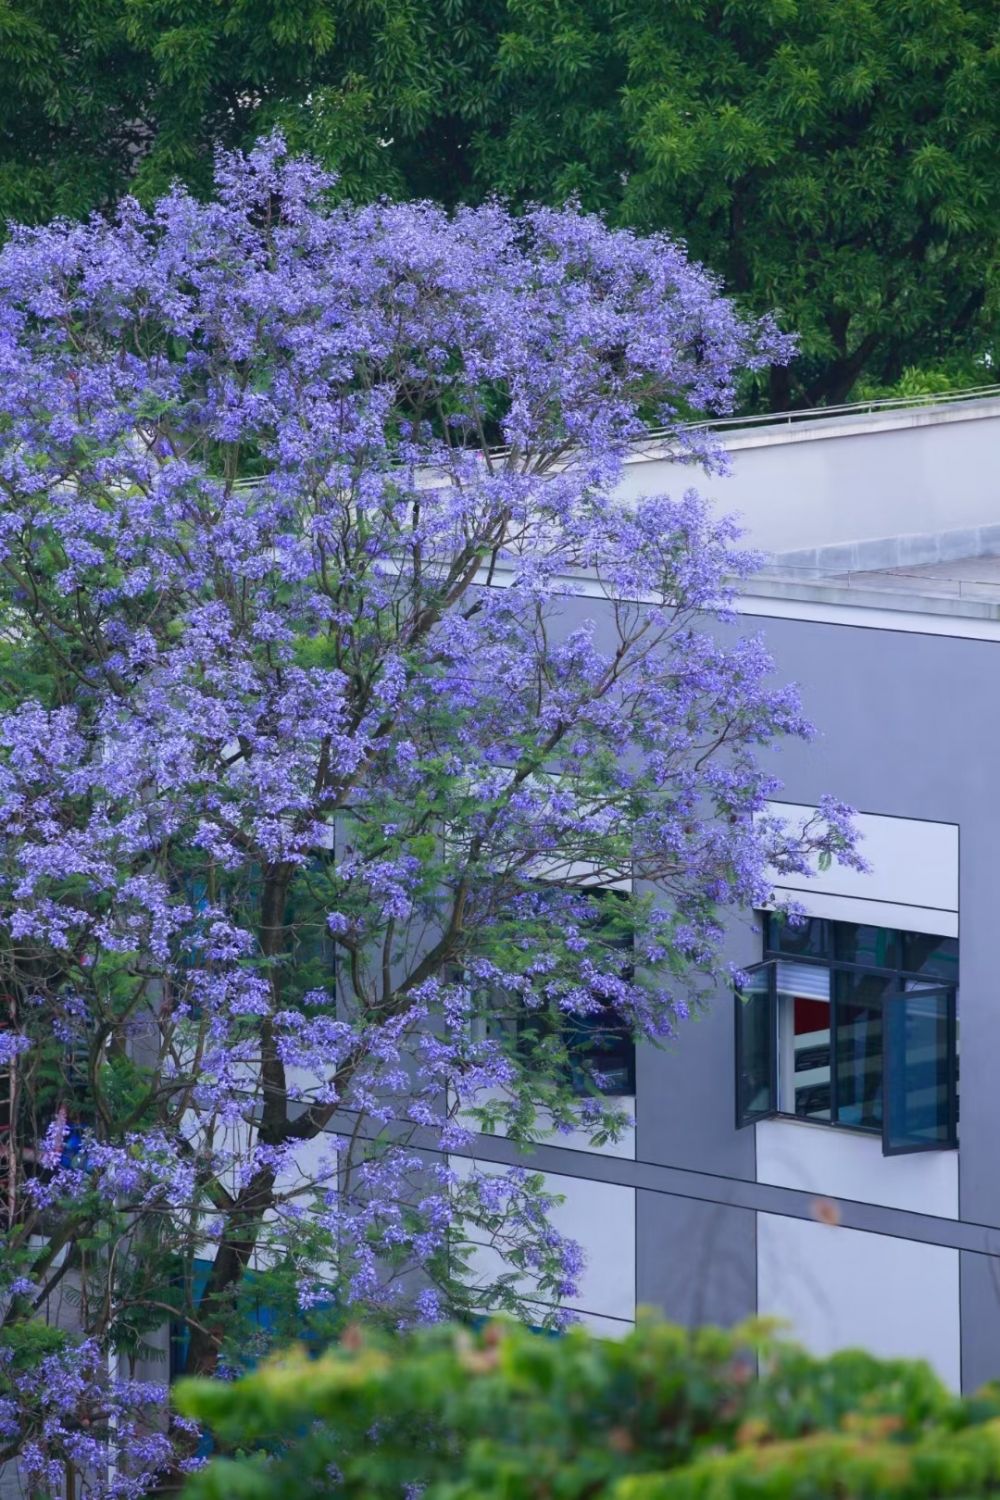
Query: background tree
<point x="305" y="728"/>
<point x="99" y="97"/>
<point x="831" y="160"/>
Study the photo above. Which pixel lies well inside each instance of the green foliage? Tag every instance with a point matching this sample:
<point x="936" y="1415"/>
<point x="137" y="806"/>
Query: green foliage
<point x="663" y="1414"/>
<point x="833" y="159"/>
<point x="102" y="95"/>
<point x="23" y="1346"/>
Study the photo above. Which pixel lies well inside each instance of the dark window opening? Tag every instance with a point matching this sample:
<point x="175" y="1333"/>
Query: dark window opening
<point x="599" y="1046"/>
<point x="597" y="1052"/>
<point x="591" y="1053"/>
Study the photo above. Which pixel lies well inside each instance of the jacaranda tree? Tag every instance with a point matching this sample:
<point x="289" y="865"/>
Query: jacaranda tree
<point x="334" y="679"/>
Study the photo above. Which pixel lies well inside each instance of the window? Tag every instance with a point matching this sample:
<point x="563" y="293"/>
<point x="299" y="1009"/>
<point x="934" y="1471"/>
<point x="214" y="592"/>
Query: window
<point x="596" y="1051"/>
<point x="600" y="1049"/>
<point x="853" y="1026"/>
<point x="311" y="951"/>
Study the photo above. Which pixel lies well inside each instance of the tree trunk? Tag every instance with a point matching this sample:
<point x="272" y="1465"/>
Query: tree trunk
<point x="232" y="1257"/>
<point x="243" y="1221"/>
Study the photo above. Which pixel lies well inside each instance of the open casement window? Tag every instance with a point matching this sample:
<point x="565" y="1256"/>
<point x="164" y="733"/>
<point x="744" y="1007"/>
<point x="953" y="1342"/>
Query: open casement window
<point x="919" y="1074"/>
<point x="756" y="1046"/>
<point x="863" y="1050"/>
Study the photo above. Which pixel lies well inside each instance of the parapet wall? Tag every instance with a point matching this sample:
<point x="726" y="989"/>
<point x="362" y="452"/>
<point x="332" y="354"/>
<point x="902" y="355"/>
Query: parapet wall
<point x="920" y="472"/>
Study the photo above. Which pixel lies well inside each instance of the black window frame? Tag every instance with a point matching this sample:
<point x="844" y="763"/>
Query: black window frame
<point x="905" y="985"/>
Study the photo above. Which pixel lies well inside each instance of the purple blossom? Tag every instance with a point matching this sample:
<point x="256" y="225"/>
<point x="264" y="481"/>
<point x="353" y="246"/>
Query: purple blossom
<point x="312" y="513"/>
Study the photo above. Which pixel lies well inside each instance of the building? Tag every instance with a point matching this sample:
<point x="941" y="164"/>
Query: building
<point x="834" y="1186"/>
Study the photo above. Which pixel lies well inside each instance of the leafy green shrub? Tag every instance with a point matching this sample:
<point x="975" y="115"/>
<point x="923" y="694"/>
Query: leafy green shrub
<point x="664" y="1414"/>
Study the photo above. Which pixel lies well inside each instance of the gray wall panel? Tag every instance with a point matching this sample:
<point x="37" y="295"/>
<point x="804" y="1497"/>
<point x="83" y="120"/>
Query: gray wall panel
<point x="980" y="1313"/>
<point x="695" y="1262"/>
<point x="909" y="727"/>
<point x="685" y="1109"/>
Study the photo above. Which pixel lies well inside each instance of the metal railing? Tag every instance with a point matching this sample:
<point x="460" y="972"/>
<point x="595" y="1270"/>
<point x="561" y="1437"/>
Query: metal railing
<point x="846" y="409"/>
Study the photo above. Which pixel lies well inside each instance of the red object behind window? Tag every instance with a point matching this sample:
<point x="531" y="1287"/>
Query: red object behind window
<point x="811" y="1015"/>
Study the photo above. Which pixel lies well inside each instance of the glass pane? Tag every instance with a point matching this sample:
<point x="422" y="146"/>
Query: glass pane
<point x="755" y="1047"/>
<point x="855" y="943"/>
<point x="594" y="1052"/>
<point x="804" y="1040"/>
<point x="601" y="1054"/>
<point x="918" y="1070"/>
<point x="859" y="1047"/>
<point x="808" y="936"/>
<point x="924" y="954"/>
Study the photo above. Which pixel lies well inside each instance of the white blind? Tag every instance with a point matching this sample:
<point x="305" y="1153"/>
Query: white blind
<point x="808" y="981"/>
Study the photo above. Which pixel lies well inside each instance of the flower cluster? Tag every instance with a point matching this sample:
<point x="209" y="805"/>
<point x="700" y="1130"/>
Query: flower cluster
<point x="337" y="676"/>
<point x="73" y="1419"/>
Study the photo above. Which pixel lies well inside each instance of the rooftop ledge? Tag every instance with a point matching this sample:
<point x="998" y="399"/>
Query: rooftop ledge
<point x="916" y="592"/>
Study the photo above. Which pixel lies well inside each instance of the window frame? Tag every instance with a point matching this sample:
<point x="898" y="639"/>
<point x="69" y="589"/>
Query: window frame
<point x="889" y="1146"/>
<point x="744" y="1116"/>
<point x="902" y="987"/>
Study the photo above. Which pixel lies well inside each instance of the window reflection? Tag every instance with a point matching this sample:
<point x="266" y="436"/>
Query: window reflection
<point x="920" y="1076"/>
<point x="877" y="947"/>
<point x="754" y="1046"/>
<point x="859" y="1047"/>
<point x="924" y="954"/>
<point x="809" y="935"/>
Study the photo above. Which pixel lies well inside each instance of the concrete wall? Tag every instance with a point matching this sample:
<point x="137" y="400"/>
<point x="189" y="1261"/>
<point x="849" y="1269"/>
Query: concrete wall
<point x="695" y="1261"/>
<point x="848" y="479"/>
<point x="907" y="723"/>
<point x="707" y="1221"/>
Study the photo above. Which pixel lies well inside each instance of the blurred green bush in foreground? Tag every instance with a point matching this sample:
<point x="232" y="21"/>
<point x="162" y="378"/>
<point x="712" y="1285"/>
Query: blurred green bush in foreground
<point x="664" y="1414"/>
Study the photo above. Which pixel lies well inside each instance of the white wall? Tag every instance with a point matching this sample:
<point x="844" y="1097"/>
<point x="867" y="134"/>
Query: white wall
<point x="606" y="1328"/>
<point x="843" y="1164"/>
<point x="913" y="881"/>
<point x="600" y="1216"/>
<point x="844" y="1288"/>
<point x="845" y="479"/>
<point x="573" y="1140"/>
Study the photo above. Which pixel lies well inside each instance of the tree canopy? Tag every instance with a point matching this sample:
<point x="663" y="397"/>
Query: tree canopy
<point x="833" y="160"/>
<point x="334" y="680"/>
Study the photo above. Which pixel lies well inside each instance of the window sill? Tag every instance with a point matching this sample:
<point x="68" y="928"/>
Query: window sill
<point x="875" y="1131"/>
